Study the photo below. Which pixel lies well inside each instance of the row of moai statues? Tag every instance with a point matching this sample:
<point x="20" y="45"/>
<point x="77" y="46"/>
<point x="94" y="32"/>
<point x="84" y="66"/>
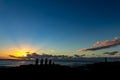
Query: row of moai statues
<point x="44" y="61"/>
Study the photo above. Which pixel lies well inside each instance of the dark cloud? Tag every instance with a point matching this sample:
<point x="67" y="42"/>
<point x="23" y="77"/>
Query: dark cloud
<point x="83" y="55"/>
<point x="12" y="56"/>
<point x="30" y="56"/>
<point x="111" y="53"/>
<point x="33" y="56"/>
<point x="103" y="45"/>
<point x="16" y="57"/>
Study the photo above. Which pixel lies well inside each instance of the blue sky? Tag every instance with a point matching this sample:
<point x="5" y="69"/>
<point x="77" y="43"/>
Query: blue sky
<point x="60" y="26"/>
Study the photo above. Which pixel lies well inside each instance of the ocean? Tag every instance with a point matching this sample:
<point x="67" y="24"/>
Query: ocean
<point x="72" y="63"/>
<point x="13" y="63"/>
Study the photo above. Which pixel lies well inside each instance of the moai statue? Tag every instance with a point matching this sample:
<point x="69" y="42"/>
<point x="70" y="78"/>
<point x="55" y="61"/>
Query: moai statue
<point x="46" y="61"/>
<point x="36" y="61"/>
<point x="106" y="60"/>
<point x="41" y="62"/>
<point x="50" y="62"/>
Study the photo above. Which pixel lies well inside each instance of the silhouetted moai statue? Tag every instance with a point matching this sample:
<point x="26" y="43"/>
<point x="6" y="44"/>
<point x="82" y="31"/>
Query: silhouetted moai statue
<point x="36" y="61"/>
<point x="106" y="60"/>
<point x="46" y="61"/>
<point x="41" y="62"/>
<point x="50" y="62"/>
<point x="53" y="63"/>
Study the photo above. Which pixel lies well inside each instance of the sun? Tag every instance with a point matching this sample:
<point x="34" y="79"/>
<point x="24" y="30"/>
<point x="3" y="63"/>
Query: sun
<point x="19" y="51"/>
<point x="22" y="51"/>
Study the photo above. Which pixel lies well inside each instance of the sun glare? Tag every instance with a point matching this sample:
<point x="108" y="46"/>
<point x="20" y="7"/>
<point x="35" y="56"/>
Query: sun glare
<point x="22" y="51"/>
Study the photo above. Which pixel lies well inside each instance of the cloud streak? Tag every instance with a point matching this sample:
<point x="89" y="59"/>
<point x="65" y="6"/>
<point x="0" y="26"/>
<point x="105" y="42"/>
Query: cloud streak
<point x="111" y="53"/>
<point x="103" y="45"/>
<point x="33" y="56"/>
<point x="29" y="56"/>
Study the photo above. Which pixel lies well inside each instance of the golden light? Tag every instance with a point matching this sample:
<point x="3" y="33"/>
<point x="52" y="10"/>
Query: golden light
<point x="20" y="53"/>
<point x="22" y="50"/>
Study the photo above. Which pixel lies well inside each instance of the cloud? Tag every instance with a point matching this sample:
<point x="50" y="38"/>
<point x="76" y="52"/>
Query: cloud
<point x="83" y="55"/>
<point x="111" y="53"/>
<point x="16" y="57"/>
<point x="33" y="56"/>
<point x="102" y="45"/>
<point x="28" y="56"/>
<point x="12" y="56"/>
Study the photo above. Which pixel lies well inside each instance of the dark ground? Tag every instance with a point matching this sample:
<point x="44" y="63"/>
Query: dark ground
<point x="97" y="71"/>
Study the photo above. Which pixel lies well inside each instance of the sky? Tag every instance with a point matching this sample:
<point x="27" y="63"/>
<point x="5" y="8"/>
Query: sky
<point x="59" y="27"/>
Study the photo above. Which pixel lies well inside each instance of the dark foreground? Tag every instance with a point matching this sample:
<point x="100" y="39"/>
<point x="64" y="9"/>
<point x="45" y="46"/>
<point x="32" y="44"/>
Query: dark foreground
<point x="98" y="71"/>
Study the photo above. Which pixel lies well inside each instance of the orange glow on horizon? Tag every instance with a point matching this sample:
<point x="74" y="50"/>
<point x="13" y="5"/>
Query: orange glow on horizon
<point x="17" y="51"/>
<point x="23" y="50"/>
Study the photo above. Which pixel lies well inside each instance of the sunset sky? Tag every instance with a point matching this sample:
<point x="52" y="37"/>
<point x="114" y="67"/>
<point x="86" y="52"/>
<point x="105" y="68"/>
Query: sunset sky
<point x="60" y="27"/>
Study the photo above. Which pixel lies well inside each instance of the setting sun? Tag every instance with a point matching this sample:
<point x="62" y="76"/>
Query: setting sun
<point x="18" y="51"/>
<point x="23" y="50"/>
